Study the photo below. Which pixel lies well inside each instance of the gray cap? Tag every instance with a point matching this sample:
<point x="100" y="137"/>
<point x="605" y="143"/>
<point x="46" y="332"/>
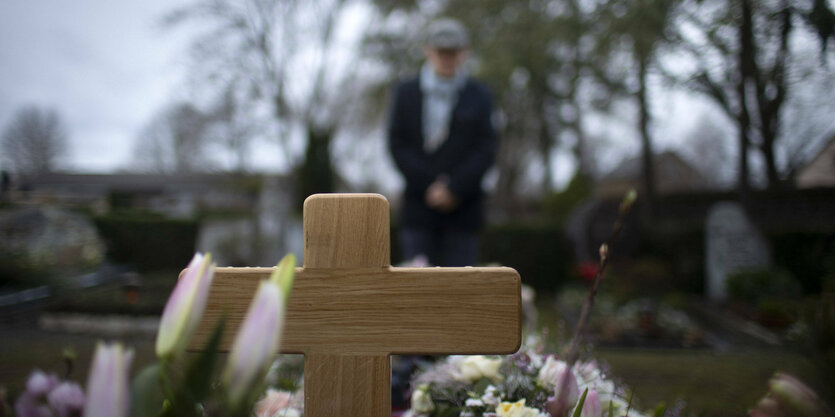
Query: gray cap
<point x="447" y="34"/>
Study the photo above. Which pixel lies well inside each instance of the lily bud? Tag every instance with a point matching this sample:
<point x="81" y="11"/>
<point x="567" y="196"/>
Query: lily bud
<point x="767" y="407"/>
<point x="592" y="407"/>
<point x="284" y="274"/>
<point x="185" y="306"/>
<point x="256" y="342"/>
<point x="566" y="394"/>
<point x="795" y="396"/>
<point x="108" y="391"/>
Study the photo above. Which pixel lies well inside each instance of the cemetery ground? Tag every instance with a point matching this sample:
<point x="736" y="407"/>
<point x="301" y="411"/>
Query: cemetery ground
<point x="716" y="382"/>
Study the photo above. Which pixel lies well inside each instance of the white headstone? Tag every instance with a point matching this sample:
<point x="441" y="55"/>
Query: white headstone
<point x="733" y="243"/>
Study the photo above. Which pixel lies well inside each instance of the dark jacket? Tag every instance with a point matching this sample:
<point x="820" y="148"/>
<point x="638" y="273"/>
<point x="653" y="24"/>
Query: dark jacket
<point x="464" y="157"/>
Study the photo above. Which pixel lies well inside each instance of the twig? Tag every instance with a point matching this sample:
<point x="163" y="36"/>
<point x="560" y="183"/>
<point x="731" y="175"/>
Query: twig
<point x="573" y="352"/>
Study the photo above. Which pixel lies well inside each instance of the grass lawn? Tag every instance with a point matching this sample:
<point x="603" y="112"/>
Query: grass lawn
<point x="717" y="384"/>
<point x="23" y="350"/>
<point x="711" y="383"/>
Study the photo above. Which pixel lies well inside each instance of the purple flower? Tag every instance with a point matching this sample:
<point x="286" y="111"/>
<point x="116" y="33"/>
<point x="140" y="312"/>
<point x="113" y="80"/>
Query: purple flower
<point x="67" y="400"/>
<point x="592" y="407"/>
<point x="566" y="393"/>
<point x="28" y="405"/>
<point x="108" y="392"/>
<point x="32" y="402"/>
<point x="185" y="306"/>
<point x="39" y="383"/>
<point x="260" y="334"/>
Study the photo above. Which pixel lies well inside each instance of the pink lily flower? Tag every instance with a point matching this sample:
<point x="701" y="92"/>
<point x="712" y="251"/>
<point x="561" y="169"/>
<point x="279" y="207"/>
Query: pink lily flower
<point x="260" y="334"/>
<point x="108" y="389"/>
<point x="185" y="307"/>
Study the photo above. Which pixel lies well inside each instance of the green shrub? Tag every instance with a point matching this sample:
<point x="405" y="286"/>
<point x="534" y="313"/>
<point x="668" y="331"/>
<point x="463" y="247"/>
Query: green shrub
<point x="681" y="250"/>
<point x="541" y="254"/>
<point x="757" y="285"/>
<point x="147" y="242"/>
<point x="645" y="276"/>
<point x="809" y="256"/>
<point x="16" y="270"/>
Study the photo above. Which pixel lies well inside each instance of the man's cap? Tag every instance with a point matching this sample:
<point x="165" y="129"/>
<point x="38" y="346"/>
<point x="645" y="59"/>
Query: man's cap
<point x="447" y="34"/>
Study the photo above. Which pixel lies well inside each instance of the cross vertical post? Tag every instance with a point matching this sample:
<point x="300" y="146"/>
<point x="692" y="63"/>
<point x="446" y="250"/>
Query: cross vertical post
<point x="350" y="232"/>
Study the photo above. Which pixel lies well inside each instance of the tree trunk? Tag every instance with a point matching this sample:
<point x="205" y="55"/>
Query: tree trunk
<point x="746" y="67"/>
<point x="646" y="140"/>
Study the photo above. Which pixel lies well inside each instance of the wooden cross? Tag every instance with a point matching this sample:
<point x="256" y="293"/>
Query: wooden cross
<point x="350" y="310"/>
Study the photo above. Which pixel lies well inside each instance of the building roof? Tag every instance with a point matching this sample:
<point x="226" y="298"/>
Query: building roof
<point x="820" y="171"/>
<point x="672" y="173"/>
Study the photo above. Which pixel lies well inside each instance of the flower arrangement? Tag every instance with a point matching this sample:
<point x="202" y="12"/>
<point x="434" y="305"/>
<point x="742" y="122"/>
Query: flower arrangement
<point x="520" y="385"/>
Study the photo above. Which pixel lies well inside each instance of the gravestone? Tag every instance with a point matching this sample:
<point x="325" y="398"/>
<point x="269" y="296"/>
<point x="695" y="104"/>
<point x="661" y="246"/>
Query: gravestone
<point x="733" y="244"/>
<point x="350" y="309"/>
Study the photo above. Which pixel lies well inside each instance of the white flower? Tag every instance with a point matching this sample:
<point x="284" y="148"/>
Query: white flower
<point x="472" y="368"/>
<point x="551" y="372"/>
<point x="288" y="412"/>
<point x="422" y="401"/>
<point x="474" y="402"/>
<point x="491" y="396"/>
<point x="517" y="409"/>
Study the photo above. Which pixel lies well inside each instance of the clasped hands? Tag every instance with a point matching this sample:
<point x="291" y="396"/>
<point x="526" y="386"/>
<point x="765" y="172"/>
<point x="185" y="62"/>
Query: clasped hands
<point x="439" y="197"/>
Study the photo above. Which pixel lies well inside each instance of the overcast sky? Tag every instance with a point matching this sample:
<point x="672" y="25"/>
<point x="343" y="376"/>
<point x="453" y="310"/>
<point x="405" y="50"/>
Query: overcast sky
<point x="105" y="66"/>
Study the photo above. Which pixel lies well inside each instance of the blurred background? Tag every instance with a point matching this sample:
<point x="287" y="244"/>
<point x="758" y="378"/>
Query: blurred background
<point x="134" y="133"/>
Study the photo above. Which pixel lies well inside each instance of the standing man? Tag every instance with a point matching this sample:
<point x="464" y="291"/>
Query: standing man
<point x="442" y="139"/>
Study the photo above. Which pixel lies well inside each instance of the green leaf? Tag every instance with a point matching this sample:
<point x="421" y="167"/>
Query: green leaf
<point x="197" y="379"/>
<point x="660" y="409"/>
<point x="579" y="409"/>
<point x="198" y="376"/>
<point x="446" y="410"/>
<point x="146" y="393"/>
<point x="482" y="385"/>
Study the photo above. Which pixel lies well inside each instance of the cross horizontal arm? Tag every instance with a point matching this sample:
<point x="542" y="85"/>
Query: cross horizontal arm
<point x="381" y="310"/>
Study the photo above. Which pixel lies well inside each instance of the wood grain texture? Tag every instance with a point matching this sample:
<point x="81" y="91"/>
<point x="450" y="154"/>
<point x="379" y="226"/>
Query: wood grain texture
<point x="347" y="385"/>
<point x="346" y="231"/>
<point x="349" y="309"/>
<point x="383" y="310"/>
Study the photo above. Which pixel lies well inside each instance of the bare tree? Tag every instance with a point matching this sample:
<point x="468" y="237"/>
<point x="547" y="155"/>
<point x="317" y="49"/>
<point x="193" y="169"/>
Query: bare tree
<point x="174" y="141"/>
<point x="34" y="141"/>
<point x="745" y="59"/>
<point x="229" y="126"/>
<point x="283" y="55"/>
<point x="709" y="148"/>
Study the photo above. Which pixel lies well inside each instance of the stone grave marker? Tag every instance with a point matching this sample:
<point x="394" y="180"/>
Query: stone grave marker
<point x="350" y="309"/>
<point x="733" y="243"/>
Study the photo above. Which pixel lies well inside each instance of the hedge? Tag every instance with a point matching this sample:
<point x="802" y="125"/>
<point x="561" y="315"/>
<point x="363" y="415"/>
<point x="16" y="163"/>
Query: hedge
<point x="540" y="253"/>
<point x="147" y="242"/>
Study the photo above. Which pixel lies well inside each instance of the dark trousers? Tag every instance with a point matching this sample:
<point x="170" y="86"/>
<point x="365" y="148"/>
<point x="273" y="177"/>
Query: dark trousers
<point x="443" y="247"/>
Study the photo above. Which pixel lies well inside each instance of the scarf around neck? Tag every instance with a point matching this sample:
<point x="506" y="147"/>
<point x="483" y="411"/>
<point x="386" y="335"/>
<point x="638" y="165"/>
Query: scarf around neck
<point x="439" y="98"/>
